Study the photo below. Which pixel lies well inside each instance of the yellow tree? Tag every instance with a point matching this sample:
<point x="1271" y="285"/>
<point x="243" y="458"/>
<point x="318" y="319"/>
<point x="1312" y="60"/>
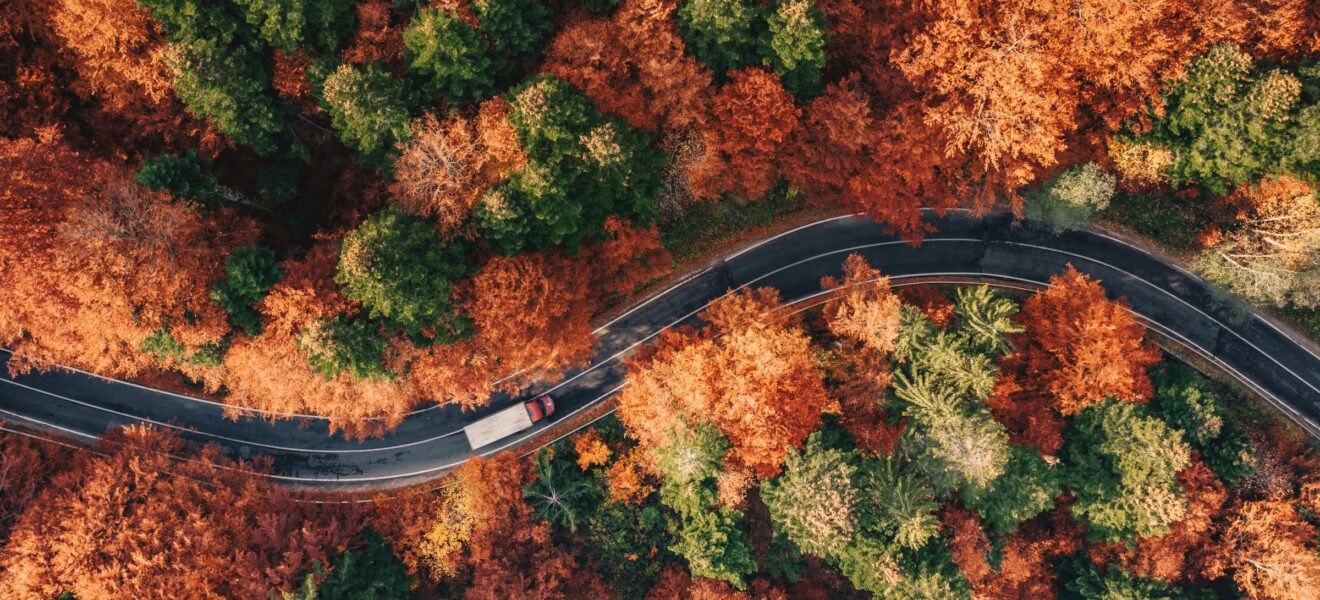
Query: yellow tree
<point x="864" y="309"/>
<point x="1269" y="550"/>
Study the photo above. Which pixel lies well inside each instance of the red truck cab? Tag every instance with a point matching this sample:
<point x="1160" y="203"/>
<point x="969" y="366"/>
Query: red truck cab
<point x="540" y="408"/>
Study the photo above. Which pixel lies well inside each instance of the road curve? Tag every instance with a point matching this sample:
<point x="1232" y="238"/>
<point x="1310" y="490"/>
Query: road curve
<point x="430" y="441"/>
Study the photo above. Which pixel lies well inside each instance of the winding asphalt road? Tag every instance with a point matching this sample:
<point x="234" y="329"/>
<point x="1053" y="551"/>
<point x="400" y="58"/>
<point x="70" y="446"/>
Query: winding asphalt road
<point x="430" y="441"/>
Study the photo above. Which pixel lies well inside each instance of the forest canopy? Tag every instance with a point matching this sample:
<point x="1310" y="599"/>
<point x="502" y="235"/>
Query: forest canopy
<point x="354" y="208"/>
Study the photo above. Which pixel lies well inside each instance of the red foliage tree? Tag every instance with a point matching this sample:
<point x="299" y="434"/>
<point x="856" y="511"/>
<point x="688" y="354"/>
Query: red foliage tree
<point x="289" y="78"/>
<point x="752" y="118"/>
<point x="32" y="70"/>
<point x="634" y="65"/>
<point x="120" y="57"/>
<point x="751" y="373"/>
<point x="1028" y="413"/>
<point x="378" y="37"/>
<point x="96" y="263"/>
<point x="26" y="465"/>
<point x="862" y="309"/>
<point x="136" y="523"/>
<point x="1025" y="569"/>
<point x="629" y="259"/>
<point x="1081" y="347"/>
<point x="967" y="543"/>
<point x="933" y="304"/>
<point x="858" y="377"/>
<point x="834" y="142"/>
<point x="532" y="312"/>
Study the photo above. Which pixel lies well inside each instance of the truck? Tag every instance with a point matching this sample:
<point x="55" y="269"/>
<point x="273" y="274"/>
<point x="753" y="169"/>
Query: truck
<point x="509" y="421"/>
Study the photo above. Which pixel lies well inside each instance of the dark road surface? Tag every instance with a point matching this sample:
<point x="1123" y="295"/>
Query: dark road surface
<point x="431" y="440"/>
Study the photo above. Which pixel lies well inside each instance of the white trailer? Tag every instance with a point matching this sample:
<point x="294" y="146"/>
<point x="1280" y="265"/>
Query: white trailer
<point x="507" y="422"/>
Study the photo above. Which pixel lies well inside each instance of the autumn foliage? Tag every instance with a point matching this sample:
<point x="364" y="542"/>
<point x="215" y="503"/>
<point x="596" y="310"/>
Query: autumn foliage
<point x="135" y="523"/>
<point x="633" y="65"/>
<point x="864" y="310"/>
<point x="752" y="119"/>
<point x="750" y="372"/>
<point x="1269" y="551"/>
<point x="26" y="465"/>
<point x="97" y="263"/>
<point x="447" y="166"/>
<point x="1084" y="347"/>
<point x="485" y="531"/>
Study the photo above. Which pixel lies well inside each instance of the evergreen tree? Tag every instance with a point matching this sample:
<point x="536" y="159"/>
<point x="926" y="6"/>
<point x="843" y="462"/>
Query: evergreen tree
<point x="249" y="273"/>
<point x="985" y="319"/>
<point x="794" y="46"/>
<point x="372" y="573"/>
<point x="1230" y="122"/>
<point x="319" y="25"/>
<point x="1122" y="466"/>
<point x="688" y="465"/>
<point x="395" y="265"/>
<point x="708" y="537"/>
<point x="631" y="545"/>
<point x="581" y="169"/>
<point x="722" y="34"/>
<point x="1184" y="400"/>
<point x="561" y="494"/>
<point x="340" y="345"/>
<point x="897" y="507"/>
<point x="955" y="442"/>
<point x="221" y="73"/>
<point x="451" y="56"/>
<point x="714" y="545"/>
<point x="948" y="356"/>
<point x="460" y="63"/>
<point x="1027" y="488"/>
<point x="813" y="500"/>
<point x="516" y="30"/>
<point x="230" y="87"/>
<point x="369" y="110"/>
<point x="184" y="175"/>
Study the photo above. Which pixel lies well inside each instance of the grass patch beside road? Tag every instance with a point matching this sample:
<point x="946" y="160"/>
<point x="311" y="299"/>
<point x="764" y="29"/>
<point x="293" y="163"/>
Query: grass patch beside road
<point x="704" y="226"/>
<point x="1159" y="218"/>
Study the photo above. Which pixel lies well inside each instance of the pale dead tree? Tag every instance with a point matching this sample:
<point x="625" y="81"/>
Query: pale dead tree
<point x="448" y="165"/>
<point x="1274" y="256"/>
<point x="121" y="214"/>
<point x="434" y="177"/>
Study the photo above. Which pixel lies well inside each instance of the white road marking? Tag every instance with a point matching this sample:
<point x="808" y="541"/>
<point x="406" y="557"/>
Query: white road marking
<point x="1185" y="303"/>
<point x="1184" y="341"/>
<point x="615" y="356"/>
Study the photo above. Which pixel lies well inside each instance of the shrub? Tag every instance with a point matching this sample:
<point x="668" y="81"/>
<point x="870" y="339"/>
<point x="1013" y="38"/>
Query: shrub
<point x="1071" y="198"/>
